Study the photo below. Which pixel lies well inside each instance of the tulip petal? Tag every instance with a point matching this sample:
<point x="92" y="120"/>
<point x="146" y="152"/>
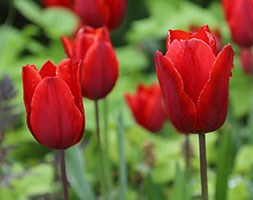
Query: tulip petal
<point x="99" y="71"/>
<point x="176" y="35"/>
<point x="47" y="70"/>
<point x="67" y="45"/>
<point x="132" y="102"/>
<point x="31" y="78"/>
<point x="69" y="72"/>
<point x="55" y="120"/>
<point x="179" y="106"/>
<point x="213" y="101"/>
<point x="204" y="34"/>
<point x="154" y="110"/>
<point x="193" y="59"/>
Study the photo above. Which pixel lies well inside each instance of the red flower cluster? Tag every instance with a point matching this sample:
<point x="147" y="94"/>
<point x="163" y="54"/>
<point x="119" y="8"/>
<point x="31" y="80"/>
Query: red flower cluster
<point x="99" y="68"/>
<point x="53" y="102"/>
<point x="95" y="13"/>
<point x="194" y="80"/>
<point x="147" y="107"/>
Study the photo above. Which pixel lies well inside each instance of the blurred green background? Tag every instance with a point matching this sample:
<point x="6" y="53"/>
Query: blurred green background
<point x="142" y="166"/>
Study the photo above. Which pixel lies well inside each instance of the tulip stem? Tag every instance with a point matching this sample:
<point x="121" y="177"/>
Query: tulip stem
<point x="187" y="151"/>
<point x="64" y="176"/>
<point x="101" y="158"/>
<point x="108" y="172"/>
<point x="203" y="166"/>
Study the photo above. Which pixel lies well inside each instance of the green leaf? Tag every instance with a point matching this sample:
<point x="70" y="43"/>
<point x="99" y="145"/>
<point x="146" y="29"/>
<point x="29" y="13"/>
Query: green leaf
<point x="57" y="22"/>
<point x="12" y="43"/>
<point x="224" y="165"/>
<point x="35" y="181"/>
<point x="137" y="62"/>
<point x="153" y="191"/>
<point x="30" y="10"/>
<point x="180" y="187"/>
<point x="122" y="160"/>
<point x="244" y="160"/>
<point x="76" y="174"/>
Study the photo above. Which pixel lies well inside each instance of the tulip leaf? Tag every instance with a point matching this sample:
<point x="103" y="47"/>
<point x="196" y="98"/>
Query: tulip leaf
<point x="55" y="21"/>
<point x="12" y="43"/>
<point x="122" y="160"/>
<point x="224" y="165"/>
<point x="244" y="160"/>
<point x="76" y="174"/>
<point x="154" y="191"/>
<point x="40" y="176"/>
<point x="180" y="187"/>
<point x="30" y="10"/>
<point x="58" y="22"/>
<point x="127" y="65"/>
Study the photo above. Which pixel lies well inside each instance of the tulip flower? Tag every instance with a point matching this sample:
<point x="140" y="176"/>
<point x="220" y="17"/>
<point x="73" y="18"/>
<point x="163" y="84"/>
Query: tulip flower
<point x="246" y="57"/>
<point x="63" y="3"/>
<point x="97" y="13"/>
<point x="147" y="107"/>
<point x="195" y="80"/>
<point x="239" y="16"/>
<point x="53" y="102"/>
<point x="99" y="68"/>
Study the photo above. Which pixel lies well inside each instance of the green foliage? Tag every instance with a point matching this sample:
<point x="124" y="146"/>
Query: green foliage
<point x="224" y="165"/>
<point x="49" y="19"/>
<point x="180" y="189"/>
<point x="76" y="174"/>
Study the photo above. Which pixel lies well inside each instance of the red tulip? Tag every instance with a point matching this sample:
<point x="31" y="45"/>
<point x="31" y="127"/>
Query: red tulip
<point x="63" y="3"/>
<point x="194" y="80"/>
<point x="246" y="57"/>
<point x="53" y="103"/>
<point x="239" y="16"/>
<point x="99" y="69"/>
<point x="147" y="107"/>
<point x="97" y="13"/>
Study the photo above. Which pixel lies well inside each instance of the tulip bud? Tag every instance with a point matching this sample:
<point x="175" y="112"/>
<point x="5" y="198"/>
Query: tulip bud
<point x="99" y="68"/>
<point x="147" y="107"/>
<point x="239" y="16"/>
<point x="98" y="13"/>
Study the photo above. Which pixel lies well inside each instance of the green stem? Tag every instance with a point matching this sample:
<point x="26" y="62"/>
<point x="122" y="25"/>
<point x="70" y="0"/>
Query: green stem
<point x="203" y="166"/>
<point x="101" y="158"/>
<point x="187" y="153"/>
<point x="122" y="161"/>
<point x="106" y="150"/>
<point x="64" y="176"/>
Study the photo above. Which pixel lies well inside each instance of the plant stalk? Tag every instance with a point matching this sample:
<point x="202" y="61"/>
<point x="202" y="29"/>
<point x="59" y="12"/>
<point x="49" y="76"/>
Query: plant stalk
<point x="64" y="176"/>
<point x="203" y="166"/>
<point x="108" y="172"/>
<point x="101" y="158"/>
<point x="187" y="152"/>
